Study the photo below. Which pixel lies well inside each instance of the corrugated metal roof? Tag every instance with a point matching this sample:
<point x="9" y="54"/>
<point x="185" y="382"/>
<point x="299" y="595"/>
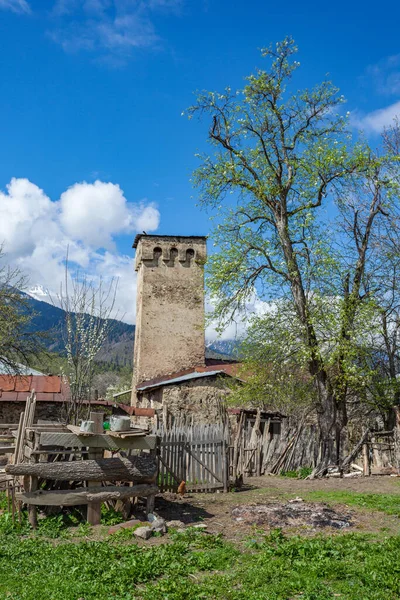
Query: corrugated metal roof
<point x="231" y="369"/>
<point x="182" y="378"/>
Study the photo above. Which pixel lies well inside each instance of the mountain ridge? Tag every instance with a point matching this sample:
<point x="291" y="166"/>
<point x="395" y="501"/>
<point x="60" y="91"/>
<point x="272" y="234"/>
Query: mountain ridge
<point x="118" y="347"/>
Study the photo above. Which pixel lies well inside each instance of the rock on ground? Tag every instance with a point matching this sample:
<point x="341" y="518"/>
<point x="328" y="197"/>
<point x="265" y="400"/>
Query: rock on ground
<point x="125" y="525"/>
<point x="143" y="532"/>
<point x="175" y="524"/>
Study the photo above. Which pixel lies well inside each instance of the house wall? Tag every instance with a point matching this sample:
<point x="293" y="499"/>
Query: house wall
<point x="169" y="333"/>
<point x="199" y="400"/>
<point x="49" y="411"/>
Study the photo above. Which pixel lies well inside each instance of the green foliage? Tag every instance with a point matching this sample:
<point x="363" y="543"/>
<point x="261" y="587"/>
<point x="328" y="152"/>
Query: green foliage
<point x="54" y="526"/>
<point x="3" y="501"/>
<point x="109" y="516"/>
<point x="301" y="473"/>
<point x="17" y="340"/>
<point x="282" y="160"/>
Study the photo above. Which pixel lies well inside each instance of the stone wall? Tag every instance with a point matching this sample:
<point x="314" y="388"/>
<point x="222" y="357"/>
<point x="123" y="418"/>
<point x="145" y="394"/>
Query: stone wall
<point x="46" y="411"/>
<point x="198" y="400"/>
<point x="49" y="411"/>
<point x="169" y="334"/>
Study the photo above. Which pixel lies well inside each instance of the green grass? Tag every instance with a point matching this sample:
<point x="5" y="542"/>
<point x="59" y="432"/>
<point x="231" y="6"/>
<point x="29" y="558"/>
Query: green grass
<point x="36" y="569"/>
<point x="387" y="503"/>
<point x="351" y="567"/>
<point x="198" y="566"/>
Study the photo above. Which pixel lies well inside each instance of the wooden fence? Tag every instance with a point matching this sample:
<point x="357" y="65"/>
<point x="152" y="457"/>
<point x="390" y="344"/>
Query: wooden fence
<point x="194" y="454"/>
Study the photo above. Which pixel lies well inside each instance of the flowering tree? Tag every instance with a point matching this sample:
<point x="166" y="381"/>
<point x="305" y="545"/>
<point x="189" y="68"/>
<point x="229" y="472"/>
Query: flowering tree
<point x="89" y="318"/>
<point x="279" y="160"/>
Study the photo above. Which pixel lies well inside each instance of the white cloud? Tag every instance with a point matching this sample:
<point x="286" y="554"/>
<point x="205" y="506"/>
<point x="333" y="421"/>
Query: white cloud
<point x="93" y="212"/>
<point x="37" y="232"/>
<point x="383" y="76"/>
<point x="238" y="327"/>
<point x="111" y="27"/>
<point x="376" y="120"/>
<point x="17" y="6"/>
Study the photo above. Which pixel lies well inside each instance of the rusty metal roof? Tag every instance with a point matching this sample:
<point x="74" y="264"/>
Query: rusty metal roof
<point x="47" y="384"/>
<point x="48" y="388"/>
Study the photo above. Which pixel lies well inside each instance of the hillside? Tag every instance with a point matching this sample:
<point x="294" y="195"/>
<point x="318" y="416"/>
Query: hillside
<point x="118" y="349"/>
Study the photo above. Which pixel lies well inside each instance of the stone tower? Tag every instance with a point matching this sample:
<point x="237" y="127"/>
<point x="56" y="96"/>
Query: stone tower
<point x="169" y="305"/>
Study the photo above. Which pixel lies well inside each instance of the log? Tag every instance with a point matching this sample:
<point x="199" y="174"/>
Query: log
<point x="81" y="496"/>
<point x="140" y="469"/>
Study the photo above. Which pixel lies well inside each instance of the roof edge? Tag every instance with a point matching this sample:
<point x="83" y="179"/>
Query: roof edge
<point x="184" y="237"/>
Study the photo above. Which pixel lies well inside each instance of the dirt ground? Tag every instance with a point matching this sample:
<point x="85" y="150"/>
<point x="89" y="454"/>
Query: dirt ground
<point x="215" y="509"/>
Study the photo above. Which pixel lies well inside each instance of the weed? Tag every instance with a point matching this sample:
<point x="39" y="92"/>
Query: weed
<point x="109" y="516"/>
<point x="301" y="473"/>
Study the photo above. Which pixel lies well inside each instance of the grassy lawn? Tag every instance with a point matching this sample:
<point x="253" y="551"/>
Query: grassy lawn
<point x="387" y="503"/>
<point x="195" y="565"/>
<point x="59" y="563"/>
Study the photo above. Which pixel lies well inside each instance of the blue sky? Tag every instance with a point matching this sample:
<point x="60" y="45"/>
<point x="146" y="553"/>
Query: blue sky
<point x="93" y="90"/>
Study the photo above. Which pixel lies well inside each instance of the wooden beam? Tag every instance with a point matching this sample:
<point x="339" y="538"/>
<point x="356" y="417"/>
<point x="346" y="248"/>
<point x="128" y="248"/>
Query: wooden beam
<point x="7" y="449"/>
<point x="71" y="440"/>
<point x="85" y="495"/>
<point x="94" y="508"/>
<point x="140" y="469"/>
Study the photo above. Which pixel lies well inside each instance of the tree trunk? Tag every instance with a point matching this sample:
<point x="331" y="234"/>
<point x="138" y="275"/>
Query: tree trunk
<point x="329" y="427"/>
<point x="140" y="469"/>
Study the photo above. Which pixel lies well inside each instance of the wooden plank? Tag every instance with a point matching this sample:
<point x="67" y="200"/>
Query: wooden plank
<point x="18" y="437"/>
<point x="200" y="487"/>
<point x="70" y="440"/>
<point x="225" y="465"/>
<point x="28" y="452"/>
<point x="94" y="508"/>
<point x="80" y="496"/>
<point x="77" y="431"/>
<point x="168" y="471"/>
<point x="127" y="434"/>
<point x="200" y="461"/>
<point x="7" y="449"/>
